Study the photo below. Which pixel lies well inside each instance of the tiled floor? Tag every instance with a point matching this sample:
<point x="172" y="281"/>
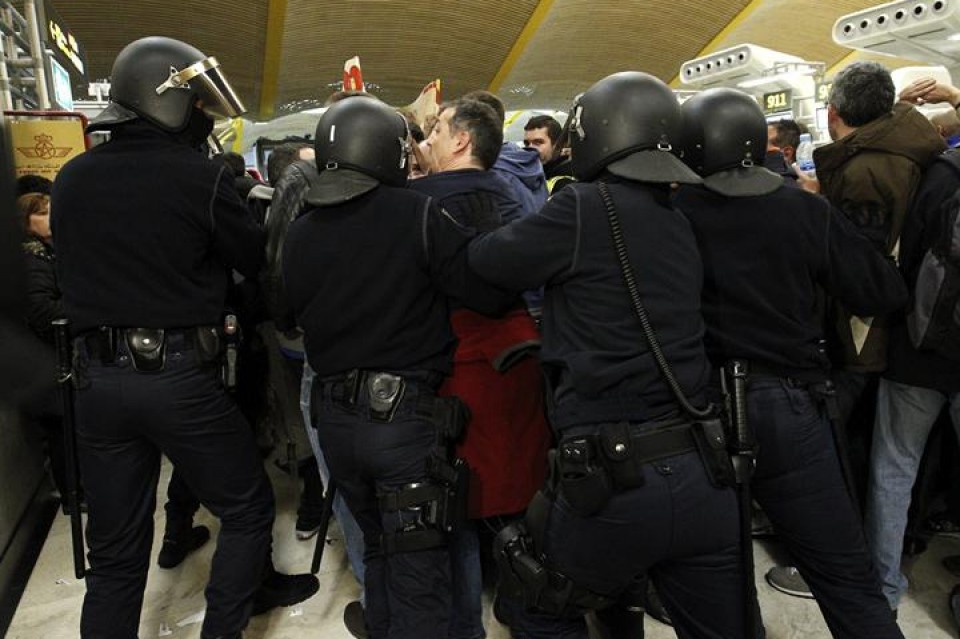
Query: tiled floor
<point x="50" y="608"/>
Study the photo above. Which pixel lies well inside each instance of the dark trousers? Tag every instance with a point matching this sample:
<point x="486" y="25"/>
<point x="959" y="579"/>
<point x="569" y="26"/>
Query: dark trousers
<point x="182" y="504"/>
<point x="125" y="419"/>
<point x="678" y="528"/>
<point x="407" y="593"/>
<point x="799" y="484"/>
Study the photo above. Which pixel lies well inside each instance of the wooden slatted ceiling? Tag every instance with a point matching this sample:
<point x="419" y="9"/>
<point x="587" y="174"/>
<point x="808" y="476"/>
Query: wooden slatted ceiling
<point x="581" y="41"/>
<point x="775" y="24"/>
<point x="232" y="31"/>
<point x="402" y="45"/>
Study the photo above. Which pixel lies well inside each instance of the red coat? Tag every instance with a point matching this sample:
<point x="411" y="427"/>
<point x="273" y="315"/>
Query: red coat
<point x="496" y="373"/>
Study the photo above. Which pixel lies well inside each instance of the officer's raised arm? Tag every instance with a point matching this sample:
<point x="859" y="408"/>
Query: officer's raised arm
<point x="533" y="250"/>
<point x="445" y="251"/>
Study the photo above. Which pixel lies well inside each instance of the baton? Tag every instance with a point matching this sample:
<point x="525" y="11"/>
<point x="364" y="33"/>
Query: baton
<point x="742" y="448"/>
<point x="325" y="515"/>
<point x="61" y="333"/>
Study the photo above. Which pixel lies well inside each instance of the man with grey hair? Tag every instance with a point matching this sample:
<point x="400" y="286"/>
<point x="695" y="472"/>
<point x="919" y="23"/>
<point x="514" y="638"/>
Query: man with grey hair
<point x="870" y="172"/>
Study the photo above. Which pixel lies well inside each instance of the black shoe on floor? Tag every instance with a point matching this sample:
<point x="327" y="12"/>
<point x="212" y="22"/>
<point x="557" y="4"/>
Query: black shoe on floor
<point x="279" y="590"/>
<point x="354" y="620"/>
<point x="176" y="547"/>
<point x="654" y="607"/>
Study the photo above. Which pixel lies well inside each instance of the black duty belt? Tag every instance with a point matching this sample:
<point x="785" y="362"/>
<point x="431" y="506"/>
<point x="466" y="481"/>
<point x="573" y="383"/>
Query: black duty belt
<point x="641" y="447"/>
<point x="102" y="344"/>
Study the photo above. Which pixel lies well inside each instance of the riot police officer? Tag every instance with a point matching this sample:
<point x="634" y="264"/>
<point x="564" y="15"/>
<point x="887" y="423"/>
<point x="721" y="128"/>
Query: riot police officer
<point x="769" y="252"/>
<point x="368" y="271"/>
<point x="630" y="493"/>
<point x="148" y="228"/>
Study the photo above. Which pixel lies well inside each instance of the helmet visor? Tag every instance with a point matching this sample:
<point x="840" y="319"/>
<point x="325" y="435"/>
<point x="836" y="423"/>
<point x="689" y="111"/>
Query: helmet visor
<point x="218" y="98"/>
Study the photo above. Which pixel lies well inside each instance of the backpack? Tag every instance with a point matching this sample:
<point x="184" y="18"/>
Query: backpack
<point x="933" y="317"/>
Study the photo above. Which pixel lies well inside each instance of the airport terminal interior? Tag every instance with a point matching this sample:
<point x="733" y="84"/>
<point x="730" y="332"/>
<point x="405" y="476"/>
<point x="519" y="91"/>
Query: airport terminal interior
<point x="284" y="58"/>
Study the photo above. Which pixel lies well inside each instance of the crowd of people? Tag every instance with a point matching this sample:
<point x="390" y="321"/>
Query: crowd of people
<point x="570" y="367"/>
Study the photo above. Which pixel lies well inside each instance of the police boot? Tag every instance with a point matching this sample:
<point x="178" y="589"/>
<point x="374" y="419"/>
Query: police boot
<point x="180" y="541"/>
<point x="624" y="619"/>
<point x="354" y="620"/>
<point x="279" y="590"/>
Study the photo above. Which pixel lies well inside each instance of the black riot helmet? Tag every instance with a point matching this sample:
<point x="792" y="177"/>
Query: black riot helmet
<point x="160" y="80"/>
<point x="725" y="141"/>
<point x="360" y="143"/>
<point x="627" y="123"/>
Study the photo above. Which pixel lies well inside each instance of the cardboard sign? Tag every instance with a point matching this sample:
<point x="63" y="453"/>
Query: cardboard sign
<point x="42" y="147"/>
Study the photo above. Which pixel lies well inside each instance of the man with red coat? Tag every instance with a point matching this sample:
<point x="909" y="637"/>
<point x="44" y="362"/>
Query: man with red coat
<point x="494" y="371"/>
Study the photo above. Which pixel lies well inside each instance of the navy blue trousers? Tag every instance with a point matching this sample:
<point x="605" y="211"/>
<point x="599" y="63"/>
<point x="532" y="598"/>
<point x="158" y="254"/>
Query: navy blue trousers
<point x="677" y="527"/>
<point x="799" y="484"/>
<point x="407" y="594"/>
<point x="125" y="419"/>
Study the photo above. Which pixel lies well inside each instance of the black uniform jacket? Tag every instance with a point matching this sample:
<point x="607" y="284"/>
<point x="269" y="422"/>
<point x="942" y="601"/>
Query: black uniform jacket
<point x="371" y="281"/>
<point x="146" y="230"/>
<point x="767" y="259"/>
<point x="905" y="364"/>
<point x="603" y="369"/>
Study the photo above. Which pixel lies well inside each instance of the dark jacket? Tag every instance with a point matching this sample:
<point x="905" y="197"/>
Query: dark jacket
<point x="906" y="364"/>
<point x="774" y="161"/>
<point x="44" y="302"/>
<point x="765" y="260"/>
<point x="871" y="175"/>
<point x="600" y="364"/>
<point x="370" y="281"/>
<point x="147" y="230"/>
<point x="522" y="170"/>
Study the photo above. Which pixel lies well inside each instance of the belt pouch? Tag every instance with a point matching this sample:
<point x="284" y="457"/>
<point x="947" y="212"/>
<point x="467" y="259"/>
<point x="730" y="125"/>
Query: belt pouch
<point x="711" y="443"/>
<point x="147" y="347"/>
<point x="208" y="344"/>
<point x="621" y="454"/>
<point x="584" y="482"/>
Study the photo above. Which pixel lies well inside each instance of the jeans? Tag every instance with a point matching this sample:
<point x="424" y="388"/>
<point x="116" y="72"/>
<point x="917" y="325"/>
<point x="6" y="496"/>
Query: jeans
<point x="352" y="537"/>
<point x="799" y="484"/>
<point x="466" y="620"/>
<point x="905" y="416"/>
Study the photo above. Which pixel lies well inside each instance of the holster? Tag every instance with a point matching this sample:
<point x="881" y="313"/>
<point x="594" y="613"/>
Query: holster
<point x="455" y="478"/>
<point x="524" y="575"/>
<point x="711" y="439"/>
<point x="450" y="415"/>
<point x="148" y="348"/>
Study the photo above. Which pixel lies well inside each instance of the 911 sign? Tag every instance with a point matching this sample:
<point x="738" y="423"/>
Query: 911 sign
<point x="777" y="101"/>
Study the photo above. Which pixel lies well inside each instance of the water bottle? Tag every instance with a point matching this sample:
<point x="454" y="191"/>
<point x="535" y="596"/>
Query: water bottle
<point x="805" y="155"/>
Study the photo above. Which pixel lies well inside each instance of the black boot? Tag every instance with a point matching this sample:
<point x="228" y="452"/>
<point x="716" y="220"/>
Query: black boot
<point x="180" y="543"/>
<point x="354" y="620"/>
<point x="283" y="590"/>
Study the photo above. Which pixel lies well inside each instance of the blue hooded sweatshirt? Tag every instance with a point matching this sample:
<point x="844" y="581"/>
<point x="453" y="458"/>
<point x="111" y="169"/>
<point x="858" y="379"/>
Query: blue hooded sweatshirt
<point x="521" y="168"/>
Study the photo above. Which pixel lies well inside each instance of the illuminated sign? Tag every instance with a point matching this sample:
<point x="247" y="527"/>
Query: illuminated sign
<point x="63" y="43"/>
<point x="777" y="101"/>
<point x="62" y="91"/>
<point x="823" y="91"/>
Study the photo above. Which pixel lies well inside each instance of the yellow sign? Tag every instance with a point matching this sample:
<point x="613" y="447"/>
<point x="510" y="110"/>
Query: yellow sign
<point x="42" y="147"/>
<point x="823" y="91"/>
<point x="777" y="101"/>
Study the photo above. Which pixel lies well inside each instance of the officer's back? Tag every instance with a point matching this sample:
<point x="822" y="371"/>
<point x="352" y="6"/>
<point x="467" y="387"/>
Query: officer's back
<point x="151" y="221"/>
